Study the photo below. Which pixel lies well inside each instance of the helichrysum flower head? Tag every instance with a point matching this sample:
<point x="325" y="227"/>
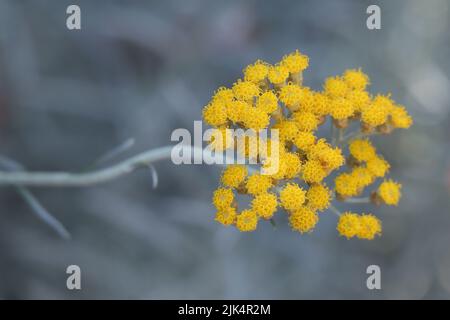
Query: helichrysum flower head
<point x="255" y="119"/>
<point x="245" y="90"/>
<point x="377" y="166"/>
<point x="303" y="220"/>
<point x="292" y="197"/>
<point x="275" y="97"/>
<point x="335" y="87"/>
<point x="223" y="94"/>
<point x="290" y="95"/>
<point x="359" y="99"/>
<point x="278" y="74"/>
<point x="293" y="164"/>
<point x="281" y="165"/>
<point x="295" y="62"/>
<point x="369" y="227"/>
<point x="399" y="117"/>
<point x="341" y="108"/>
<point x="333" y="158"/>
<point x="313" y="172"/>
<point x="257" y="183"/>
<point x="256" y="72"/>
<point x="265" y="205"/>
<point x="362" y="149"/>
<point x="322" y="104"/>
<point x="362" y="176"/>
<point x="374" y="116"/>
<point x="223" y="198"/>
<point x="234" y="175"/>
<point x="267" y="102"/>
<point x="304" y="140"/>
<point x="308" y="100"/>
<point x="215" y="113"/>
<point x="349" y="225"/>
<point x="236" y="110"/>
<point x="346" y="185"/>
<point x="390" y="192"/>
<point x="247" y="221"/>
<point x="226" y="216"/>
<point x="318" y="196"/>
<point x="330" y="158"/>
<point x="356" y="79"/>
<point x="377" y="112"/>
<point x="287" y="130"/>
<point x="306" y="121"/>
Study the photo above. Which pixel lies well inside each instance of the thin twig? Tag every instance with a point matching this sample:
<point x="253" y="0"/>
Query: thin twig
<point x="33" y="202"/>
<point x="126" y="145"/>
<point x="340" y="139"/>
<point x="334" y="210"/>
<point x="42" y="213"/>
<point x="333" y="133"/>
<point x="66" y="179"/>
<point x="358" y="200"/>
<point x="73" y="179"/>
<point x="354" y="135"/>
<point x="154" y="176"/>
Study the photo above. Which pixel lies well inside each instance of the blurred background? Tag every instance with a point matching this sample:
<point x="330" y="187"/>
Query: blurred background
<point x="140" y="69"/>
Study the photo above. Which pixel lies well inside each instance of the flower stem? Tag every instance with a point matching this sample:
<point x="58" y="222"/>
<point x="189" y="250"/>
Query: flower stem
<point x="358" y="200"/>
<point x="335" y="210"/>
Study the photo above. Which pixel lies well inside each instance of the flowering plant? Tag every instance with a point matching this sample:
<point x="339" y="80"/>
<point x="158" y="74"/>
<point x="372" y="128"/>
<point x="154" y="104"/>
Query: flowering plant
<point x="273" y="96"/>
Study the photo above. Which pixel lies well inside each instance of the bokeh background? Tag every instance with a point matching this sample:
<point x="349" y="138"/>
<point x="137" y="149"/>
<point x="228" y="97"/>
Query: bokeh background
<point x="139" y="69"/>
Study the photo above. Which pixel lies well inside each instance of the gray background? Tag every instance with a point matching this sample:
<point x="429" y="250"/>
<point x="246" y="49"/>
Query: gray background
<point x="139" y="69"/>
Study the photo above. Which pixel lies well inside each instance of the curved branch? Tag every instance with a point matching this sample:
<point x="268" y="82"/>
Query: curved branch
<point x="358" y="200"/>
<point x="67" y="179"/>
<point x="82" y="179"/>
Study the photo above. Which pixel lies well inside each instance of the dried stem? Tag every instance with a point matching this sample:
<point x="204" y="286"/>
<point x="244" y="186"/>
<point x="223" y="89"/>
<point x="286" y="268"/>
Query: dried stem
<point x="358" y="200"/>
<point x="334" y="210"/>
<point x="68" y="179"/>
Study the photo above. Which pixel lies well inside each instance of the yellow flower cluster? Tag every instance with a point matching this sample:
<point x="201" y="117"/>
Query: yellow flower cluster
<point x="273" y="96"/>
<point x="366" y="167"/>
<point x="365" y="226"/>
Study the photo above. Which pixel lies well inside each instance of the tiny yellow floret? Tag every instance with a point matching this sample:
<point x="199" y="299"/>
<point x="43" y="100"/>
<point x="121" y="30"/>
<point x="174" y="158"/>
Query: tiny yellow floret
<point x="295" y="62"/>
<point x="370" y="226"/>
<point x="292" y="197"/>
<point x="313" y="172"/>
<point x="278" y="74"/>
<point x="267" y="102"/>
<point x="349" y="224"/>
<point x="234" y="175"/>
<point x="378" y="167"/>
<point x="245" y="90"/>
<point x="390" y="192"/>
<point x="247" y="221"/>
<point x="318" y="196"/>
<point x="303" y="220"/>
<point x="256" y="72"/>
<point x="356" y="79"/>
<point x="335" y="87"/>
<point x="223" y="198"/>
<point x="258" y="183"/>
<point x="265" y="205"/>
<point x="362" y="149"/>
<point x="227" y="216"/>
